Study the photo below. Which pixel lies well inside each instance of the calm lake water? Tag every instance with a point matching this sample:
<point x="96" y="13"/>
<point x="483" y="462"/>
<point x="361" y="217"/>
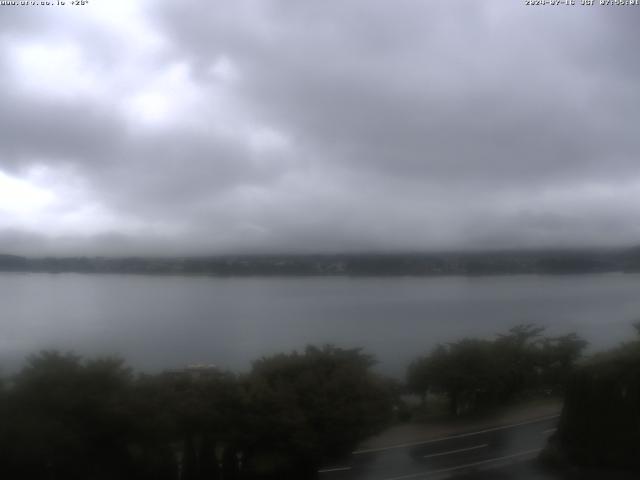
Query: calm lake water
<point x="167" y="322"/>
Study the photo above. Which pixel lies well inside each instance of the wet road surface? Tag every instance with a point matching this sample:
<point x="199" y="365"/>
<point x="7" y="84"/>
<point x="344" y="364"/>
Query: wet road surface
<point x="503" y="452"/>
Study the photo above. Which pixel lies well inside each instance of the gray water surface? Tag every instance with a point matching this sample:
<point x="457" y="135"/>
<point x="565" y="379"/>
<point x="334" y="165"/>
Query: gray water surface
<point x="167" y="322"/>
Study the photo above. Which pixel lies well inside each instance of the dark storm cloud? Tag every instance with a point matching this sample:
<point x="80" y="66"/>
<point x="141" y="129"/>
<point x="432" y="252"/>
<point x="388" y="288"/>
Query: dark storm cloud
<point x="175" y="171"/>
<point x="56" y="130"/>
<point x="405" y="125"/>
<point x="435" y="91"/>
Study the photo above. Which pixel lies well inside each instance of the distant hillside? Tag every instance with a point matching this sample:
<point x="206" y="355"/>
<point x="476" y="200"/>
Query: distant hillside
<point x="476" y="263"/>
<point x="13" y="262"/>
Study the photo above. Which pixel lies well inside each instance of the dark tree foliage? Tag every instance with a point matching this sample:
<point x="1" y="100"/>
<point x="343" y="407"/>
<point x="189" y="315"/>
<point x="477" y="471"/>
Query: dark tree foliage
<point x="463" y="370"/>
<point x="63" y="417"/>
<point x="183" y="420"/>
<point x="600" y="422"/>
<point x="475" y="374"/>
<point x="66" y="419"/>
<point x="314" y="406"/>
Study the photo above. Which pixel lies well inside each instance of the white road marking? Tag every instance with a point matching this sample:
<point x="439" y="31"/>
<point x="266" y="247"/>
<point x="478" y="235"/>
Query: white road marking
<point x="451" y="452"/>
<point x="337" y="469"/>
<point x="549" y="430"/>
<point x="468" y="465"/>
<point x="450" y="437"/>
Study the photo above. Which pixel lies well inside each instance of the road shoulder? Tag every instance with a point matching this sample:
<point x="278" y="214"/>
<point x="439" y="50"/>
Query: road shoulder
<point x="411" y="432"/>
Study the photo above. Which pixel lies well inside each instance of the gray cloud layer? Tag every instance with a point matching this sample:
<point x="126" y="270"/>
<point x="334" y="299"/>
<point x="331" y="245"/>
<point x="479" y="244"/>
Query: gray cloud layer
<point x="320" y="126"/>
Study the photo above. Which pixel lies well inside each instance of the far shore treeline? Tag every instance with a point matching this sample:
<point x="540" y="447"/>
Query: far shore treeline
<point x="65" y="417"/>
<point x="447" y="263"/>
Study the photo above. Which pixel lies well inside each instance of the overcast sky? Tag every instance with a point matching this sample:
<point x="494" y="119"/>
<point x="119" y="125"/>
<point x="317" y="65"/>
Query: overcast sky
<point x="179" y="127"/>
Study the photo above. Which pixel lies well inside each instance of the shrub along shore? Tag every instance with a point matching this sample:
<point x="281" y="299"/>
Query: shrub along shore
<point x="65" y="417"/>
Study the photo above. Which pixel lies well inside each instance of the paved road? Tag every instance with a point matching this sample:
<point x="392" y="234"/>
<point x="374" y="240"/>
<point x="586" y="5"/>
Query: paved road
<point x="503" y="452"/>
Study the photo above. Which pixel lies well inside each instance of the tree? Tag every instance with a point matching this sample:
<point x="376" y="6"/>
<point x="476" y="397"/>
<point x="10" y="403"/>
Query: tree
<point x="599" y="426"/>
<point x="480" y="373"/>
<point x="306" y="408"/>
<point x="419" y="378"/>
<point x="67" y="419"/>
<point x="559" y="356"/>
<point x="184" y="417"/>
<point x="519" y="355"/>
